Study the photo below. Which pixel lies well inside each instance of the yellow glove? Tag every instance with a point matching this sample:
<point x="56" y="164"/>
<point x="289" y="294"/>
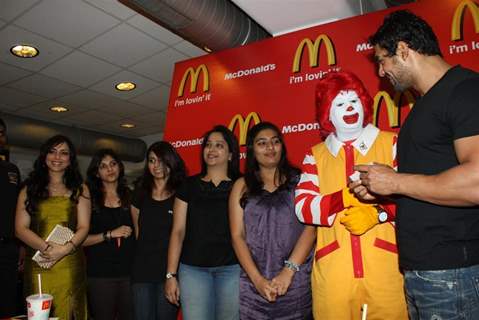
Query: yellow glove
<point x="358" y="220"/>
<point x="350" y="200"/>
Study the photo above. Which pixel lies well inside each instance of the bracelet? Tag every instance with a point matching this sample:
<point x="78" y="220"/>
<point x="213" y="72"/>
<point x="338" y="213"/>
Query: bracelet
<point x="46" y="248"/>
<point x="105" y="236"/>
<point x="73" y="245"/>
<point x="291" y="265"/>
<point x="109" y="235"/>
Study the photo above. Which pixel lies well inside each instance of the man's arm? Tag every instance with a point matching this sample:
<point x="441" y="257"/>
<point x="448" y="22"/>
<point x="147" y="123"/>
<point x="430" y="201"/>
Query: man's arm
<point x="457" y="186"/>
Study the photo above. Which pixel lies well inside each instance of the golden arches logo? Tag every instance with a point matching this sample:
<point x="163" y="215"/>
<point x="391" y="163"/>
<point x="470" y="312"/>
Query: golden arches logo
<point x="457" y="20"/>
<point x="392" y="105"/>
<point x="194" y="74"/>
<point x="313" y="52"/>
<point x="243" y="125"/>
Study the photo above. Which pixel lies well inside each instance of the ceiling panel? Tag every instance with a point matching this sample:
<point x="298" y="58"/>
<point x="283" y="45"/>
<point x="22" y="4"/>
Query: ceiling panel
<point x="189" y="49"/>
<point x="42" y="85"/>
<point x="160" y="66"/>
<point x="92" y="118"/>
<point x="154" y="30"/>
<point x="127" y="109"/>
<point x="112" y="7"/>
<point x="49" y="51"/>
<point x="111" y="46"/>
<point x="107" y="86"/>
<point x="10" y="73"/>
<point x="88" y="99"/>
<point x="19" y="98"/>
<point x="70" y="22"/>
<point x="92" y="70"/>
<point x="7" y="108"/>
<point x="156" y="99"/>
<point x="13" y="8"/>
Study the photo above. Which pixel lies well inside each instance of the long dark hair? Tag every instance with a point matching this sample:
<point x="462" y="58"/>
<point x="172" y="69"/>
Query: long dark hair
<point x="167" y="154"/>
<point x="233" y="164"/>
<point x="286" y="172"/>
<point x="38" y="179"/>
<point x="95" y="183"/>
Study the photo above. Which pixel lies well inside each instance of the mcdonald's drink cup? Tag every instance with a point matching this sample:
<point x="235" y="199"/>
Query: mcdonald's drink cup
<point x="38" y="306"/>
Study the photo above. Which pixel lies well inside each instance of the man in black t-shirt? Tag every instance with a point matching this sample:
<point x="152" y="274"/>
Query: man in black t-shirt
<point x="437" y="184"/>
<point x="9" y="185"/>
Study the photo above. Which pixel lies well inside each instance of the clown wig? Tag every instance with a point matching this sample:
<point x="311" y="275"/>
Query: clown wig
<point x="329" y="87"/>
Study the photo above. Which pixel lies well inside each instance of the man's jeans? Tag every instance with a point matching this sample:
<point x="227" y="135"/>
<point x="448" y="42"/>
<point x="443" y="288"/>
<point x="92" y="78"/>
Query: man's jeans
<point x="443" y="294"/>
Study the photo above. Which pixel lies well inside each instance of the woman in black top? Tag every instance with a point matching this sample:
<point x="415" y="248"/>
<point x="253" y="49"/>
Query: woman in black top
<point x="110" y="247"/>
<point x="209" y="271"/>
<point x="152" y="213"/>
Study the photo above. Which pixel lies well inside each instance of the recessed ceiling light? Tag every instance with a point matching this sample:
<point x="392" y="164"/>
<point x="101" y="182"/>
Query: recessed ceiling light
<point x="24" y="51"/>
<point x="207" y="49"/>
<point x="125" y="86"/>
<point x="58" y="109"/>
<point x="127" y="125"/>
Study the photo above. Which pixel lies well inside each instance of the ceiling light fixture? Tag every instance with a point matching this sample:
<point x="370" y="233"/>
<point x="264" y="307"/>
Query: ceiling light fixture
<point x="127" y="125"/>
<point x="125" y="86"/>
<point x="24" y="51"/>
<point x="58" y="109"/>
<point x="207" y="49"/>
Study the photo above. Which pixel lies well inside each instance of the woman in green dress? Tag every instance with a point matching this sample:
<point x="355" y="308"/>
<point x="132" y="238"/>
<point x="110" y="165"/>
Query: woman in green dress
<point x="54" y="194"/>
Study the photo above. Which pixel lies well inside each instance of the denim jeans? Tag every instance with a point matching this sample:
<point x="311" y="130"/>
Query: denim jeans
<point x="149" y="302"/>
<point x="209" y="293"/>
<point x="443" y="294"/>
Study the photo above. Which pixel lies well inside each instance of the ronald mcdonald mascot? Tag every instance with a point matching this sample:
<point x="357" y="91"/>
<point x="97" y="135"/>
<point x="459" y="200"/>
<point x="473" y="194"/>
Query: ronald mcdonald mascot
<point x="356" y="259"/>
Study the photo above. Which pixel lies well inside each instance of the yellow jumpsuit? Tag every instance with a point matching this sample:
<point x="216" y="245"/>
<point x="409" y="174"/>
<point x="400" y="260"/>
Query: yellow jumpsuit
<point x="349" y="271"/>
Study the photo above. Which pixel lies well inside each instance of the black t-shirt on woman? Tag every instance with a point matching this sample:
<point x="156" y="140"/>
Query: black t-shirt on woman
<point x="110" y="259"/>
<point x="207" y="237"/>
<point x="155" y="222"/>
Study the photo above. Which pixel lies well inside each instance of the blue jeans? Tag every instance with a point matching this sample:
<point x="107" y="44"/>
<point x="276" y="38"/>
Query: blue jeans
<point x="209" y="293"/>
<point x="149" y="302"/>
<point x="443" y="294"/>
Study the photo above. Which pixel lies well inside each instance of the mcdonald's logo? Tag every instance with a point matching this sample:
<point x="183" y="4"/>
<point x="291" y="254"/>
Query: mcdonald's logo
<point x="194" y="74"/>
<point x="458" y="19"/>
<point x="392" y="106"/>
<point x="313" y="52"/>
<point x="243" y="125"/>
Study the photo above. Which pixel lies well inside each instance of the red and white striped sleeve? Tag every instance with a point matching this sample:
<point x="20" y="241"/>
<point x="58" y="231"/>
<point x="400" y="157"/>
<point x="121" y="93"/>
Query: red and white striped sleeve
<point x="311" y="206"/>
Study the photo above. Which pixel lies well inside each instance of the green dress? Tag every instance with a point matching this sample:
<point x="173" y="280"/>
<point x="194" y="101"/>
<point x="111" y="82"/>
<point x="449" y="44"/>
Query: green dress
<point x="66" y="280"/>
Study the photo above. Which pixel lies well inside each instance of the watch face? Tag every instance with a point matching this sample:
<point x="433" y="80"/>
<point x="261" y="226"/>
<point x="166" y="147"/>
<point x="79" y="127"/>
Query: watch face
<point x="383" y="216"/>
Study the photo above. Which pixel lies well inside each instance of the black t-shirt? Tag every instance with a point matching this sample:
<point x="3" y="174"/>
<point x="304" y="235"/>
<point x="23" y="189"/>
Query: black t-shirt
<point x="155" y="222"/>
<point x="110" y="259"/>
<point x="434" y="237"/>
<point x="207" y="237"/>
<point x="9" y="187"/>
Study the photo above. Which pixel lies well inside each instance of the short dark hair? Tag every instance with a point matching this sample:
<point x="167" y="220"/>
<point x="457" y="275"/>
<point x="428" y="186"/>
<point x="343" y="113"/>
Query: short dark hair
<point x="405" y="26"/>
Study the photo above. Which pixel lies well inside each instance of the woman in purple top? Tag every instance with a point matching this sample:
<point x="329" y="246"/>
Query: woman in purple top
<point x="274" y="249"/>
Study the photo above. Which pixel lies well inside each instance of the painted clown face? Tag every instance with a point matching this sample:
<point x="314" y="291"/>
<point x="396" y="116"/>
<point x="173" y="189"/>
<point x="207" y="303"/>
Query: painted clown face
<point x="347" y="115"/>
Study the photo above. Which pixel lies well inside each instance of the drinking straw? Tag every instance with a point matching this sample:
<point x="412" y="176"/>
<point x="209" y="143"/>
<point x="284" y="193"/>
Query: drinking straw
<point x="39" y="283"/>
<point x="365" y="311"/>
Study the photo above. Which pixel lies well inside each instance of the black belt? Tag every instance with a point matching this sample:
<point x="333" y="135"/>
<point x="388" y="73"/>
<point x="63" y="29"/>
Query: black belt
<point x="6" y="240"/>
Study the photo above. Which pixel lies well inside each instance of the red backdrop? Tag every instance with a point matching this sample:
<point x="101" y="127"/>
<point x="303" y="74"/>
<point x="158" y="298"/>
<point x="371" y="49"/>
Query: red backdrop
<point x="273" y="80"/>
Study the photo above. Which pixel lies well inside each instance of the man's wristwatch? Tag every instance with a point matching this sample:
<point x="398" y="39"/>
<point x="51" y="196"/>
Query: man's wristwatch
<point x="170" y="275"/>
<point x="382" y="214"/>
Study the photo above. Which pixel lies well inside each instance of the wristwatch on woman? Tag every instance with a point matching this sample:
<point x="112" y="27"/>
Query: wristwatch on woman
<point x="170" y="275"/>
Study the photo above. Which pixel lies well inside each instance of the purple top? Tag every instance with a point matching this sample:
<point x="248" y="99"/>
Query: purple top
<point x="272" y="231"/>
